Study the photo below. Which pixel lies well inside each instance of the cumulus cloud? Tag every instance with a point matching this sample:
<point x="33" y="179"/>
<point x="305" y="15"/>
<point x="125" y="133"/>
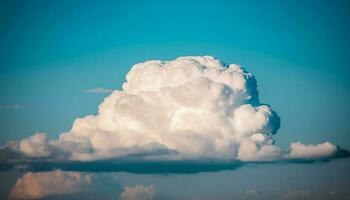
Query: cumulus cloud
<point x="138" y="192"/>
<point x="43" y="184"/>
<point x="35" y="146"/>
<point x="195" y="106"/>
<point x="99" y="90"/>
<point x="301" y="151"/>
<point x="190" y="108"/>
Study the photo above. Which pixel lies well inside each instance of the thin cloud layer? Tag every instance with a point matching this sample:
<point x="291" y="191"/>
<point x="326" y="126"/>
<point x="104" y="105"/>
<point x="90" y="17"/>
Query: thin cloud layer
<point x="99" y="90"/>
<point x="190" y="108"/>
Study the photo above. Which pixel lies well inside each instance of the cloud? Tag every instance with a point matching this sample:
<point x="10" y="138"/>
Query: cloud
<point x="251" y="192"/>
<point x="297" y="194"/>
<point x="301" y="151"/>
<point x="197" y="107"/>
<point x="43" y="184"/>
<point x="190" y="108"/>
<point x="11" y="106"/>
<point x="138" y="192"/>
<point x="35" y="146"/>
<point x="99" y="90"/>
<point x="133" y="164"/>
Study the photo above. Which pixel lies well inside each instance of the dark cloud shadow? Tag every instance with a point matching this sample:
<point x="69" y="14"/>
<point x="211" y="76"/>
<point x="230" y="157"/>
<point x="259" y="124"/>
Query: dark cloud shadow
<point x="136" y="164"/>
<point x="138" y="167"/>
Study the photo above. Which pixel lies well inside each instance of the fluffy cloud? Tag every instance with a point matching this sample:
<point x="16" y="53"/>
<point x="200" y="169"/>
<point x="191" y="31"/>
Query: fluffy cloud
<point x="301" y="151"/>
<point x="195" y="106"/>
<point x="35" y="146"/>
<point x="138" y="192"/>
<point x="187" y="108"/>
<point x="43" y="184"/>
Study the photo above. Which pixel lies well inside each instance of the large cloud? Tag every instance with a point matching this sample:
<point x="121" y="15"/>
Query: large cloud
<point x="187" y="108"/>
<point x="43" y="184"/>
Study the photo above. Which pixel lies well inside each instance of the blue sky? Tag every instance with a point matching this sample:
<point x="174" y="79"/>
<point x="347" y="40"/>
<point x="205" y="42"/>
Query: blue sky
<point x="52" y="52"/>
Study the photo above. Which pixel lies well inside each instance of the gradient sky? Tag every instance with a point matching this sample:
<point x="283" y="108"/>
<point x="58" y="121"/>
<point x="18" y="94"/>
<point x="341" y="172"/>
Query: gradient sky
<point x="52" y="52"/>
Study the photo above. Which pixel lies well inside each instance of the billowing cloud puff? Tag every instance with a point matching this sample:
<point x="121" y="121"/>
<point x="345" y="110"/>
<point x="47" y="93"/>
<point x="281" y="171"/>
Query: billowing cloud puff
<point x="187" y="108"/>
<point x="197" y="107"/>
<point x="43" y="184"/>
<point x="35" y="146"/>
<point x="138" y="192"/>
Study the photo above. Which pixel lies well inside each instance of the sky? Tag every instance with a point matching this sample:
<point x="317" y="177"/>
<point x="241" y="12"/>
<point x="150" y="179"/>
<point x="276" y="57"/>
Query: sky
<point x="271" y="181"/>
<point x="53" y="56"/>
<point x="298" y="53"/>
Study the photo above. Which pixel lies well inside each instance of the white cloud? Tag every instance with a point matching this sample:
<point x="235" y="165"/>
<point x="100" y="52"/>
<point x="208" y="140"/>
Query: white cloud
<point x="251" y="151"/>
<point x="302" y="151"/>
<point x="138" y="192"/>
<point x="195" y="106"/>
<point x="35" y="146"/>
<point x="99" y="90"/>
<point x="43" y="184"/>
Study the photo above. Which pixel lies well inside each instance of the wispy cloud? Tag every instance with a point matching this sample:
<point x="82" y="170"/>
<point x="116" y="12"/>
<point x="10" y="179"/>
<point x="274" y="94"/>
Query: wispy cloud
<point x="15" y="106"/>
<point x="251" y="192"/>
<point x="99" y="90"/>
